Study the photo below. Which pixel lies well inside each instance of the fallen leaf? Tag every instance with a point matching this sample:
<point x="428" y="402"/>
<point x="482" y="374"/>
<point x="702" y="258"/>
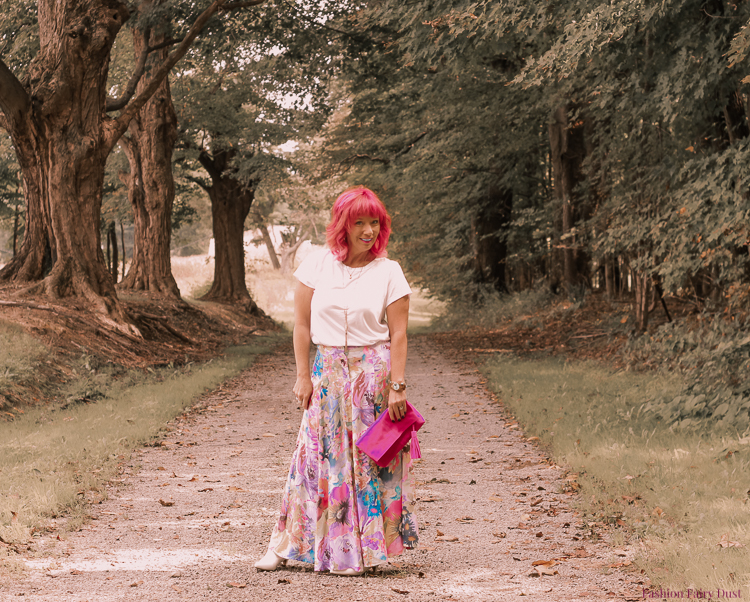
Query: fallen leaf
<point x="543" y="572"/>
<point x="617" y="565"/>
<point x="233" y="488"/>
<point x="533" y="439"/>
<point x="400" y="591"/>
<point x="657" y="511"/>
<point x="579" y="553"/>
<point x="268" y="435"/>
<point x="237" y="585"/>
<point x="136" y="583"/>
<point x="163" y="503"/>
<point x="465" y="519"/>
<point x="495" y="498"/>
<point x="448" y="539"/>
<point x="525" y="517"/>
<point x="177" y="589"/>
<point x="193" y="479"/>
<point x="543" y="563"/>
<point x="76" y="572"/>
<point x="725" y="543"/>
<point x="161" y="468"/>
<point x="206" y="489"/>
<point x="281" y="581"/>
<point x="440" y="533"/>
<point x="501" y="535"/>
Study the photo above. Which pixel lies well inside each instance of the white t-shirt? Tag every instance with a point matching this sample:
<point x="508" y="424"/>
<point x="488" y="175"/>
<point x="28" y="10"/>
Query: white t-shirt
<point x="354" y="296"/>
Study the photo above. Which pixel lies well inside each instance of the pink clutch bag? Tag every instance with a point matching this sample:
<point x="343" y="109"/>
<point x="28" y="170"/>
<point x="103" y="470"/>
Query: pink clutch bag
<point x="384" y="438"/>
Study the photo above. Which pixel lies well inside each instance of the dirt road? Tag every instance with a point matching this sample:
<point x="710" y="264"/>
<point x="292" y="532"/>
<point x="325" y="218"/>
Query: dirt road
<point x="190" y="517"/>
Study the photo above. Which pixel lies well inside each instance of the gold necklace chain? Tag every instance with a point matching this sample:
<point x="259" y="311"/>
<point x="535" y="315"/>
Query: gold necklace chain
<point x="346" y="308"/>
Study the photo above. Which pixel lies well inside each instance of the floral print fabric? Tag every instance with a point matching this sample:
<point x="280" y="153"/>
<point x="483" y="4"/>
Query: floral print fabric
<point x="340" y="510"/>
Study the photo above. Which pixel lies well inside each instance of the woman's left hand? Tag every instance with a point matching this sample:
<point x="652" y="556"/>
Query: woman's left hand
<point x="397" y="405"/>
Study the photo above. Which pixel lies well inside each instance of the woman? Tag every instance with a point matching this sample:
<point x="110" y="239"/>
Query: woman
<point x="340" y="512"/>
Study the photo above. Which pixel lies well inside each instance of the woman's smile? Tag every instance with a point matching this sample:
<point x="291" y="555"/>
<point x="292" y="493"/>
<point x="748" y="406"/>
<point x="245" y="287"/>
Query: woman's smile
<point x="363" y="234"/>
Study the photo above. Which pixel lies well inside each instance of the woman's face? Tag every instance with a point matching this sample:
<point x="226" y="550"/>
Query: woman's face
<point x="363" y="234"/>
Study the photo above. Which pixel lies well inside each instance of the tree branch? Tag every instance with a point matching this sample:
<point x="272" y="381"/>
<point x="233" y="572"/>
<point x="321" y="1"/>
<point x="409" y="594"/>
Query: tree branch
<point x="209" y="164"/>
<point x="118" y="126"/>
<point x="197" y="181"/>
<point x="115" y="104"/>
<point x="324" y="26"/>
<point x="236" y="5"/>
<point x="14" y="101"/>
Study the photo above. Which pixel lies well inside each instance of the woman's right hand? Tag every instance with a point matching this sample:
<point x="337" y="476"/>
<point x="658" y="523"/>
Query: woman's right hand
<point x="303" y="390"/>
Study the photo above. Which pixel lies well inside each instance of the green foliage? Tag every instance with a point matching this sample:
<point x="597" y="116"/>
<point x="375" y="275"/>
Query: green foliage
<point x="713" y="357"/>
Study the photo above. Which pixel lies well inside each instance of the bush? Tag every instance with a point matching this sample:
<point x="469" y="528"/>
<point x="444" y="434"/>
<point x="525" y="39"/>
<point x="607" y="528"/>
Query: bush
<point x="713" y="356"/>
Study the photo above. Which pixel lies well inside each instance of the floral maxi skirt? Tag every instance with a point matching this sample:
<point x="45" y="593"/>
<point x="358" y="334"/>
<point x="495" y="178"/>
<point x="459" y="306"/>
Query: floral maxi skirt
<point x="340" y="510"/>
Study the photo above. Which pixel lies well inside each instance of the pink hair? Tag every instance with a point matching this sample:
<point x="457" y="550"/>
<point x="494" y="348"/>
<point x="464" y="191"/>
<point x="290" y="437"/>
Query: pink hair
<point x="351" y="204"/>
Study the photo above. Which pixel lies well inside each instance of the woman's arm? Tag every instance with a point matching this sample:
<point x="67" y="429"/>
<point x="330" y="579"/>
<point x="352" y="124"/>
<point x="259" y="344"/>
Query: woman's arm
<point x="303" y="386"/>
<point x="398" y="318"/>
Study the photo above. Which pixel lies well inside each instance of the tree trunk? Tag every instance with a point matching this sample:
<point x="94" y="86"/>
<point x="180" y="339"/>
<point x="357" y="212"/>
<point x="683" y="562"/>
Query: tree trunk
<point x="230" y="204"/>
<point x="62" y="135"/>
<point x="61" y="142"/>
<point x="567" y="149"/>
<point x="642" y="290"/>
<point x="122" y="244"/>
<point x="15" y="229"/>
<point x="488" y="230"/>
<point x="289" y="251"/>
<point x="148" y="146"/>
<point x="269" y="246"/>
<point x="609" y="278"/>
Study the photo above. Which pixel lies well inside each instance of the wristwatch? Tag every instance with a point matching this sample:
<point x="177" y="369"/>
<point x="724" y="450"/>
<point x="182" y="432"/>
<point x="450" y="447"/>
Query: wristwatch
<point x="398" y="386"/>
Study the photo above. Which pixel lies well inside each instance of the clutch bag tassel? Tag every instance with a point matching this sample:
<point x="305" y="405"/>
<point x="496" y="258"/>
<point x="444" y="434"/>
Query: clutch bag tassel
<point x="416" y="452"/>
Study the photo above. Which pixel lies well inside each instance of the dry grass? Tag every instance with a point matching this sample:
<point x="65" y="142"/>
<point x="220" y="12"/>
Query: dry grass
<point x="679" y="492"/>
<point x="54" y="461"/>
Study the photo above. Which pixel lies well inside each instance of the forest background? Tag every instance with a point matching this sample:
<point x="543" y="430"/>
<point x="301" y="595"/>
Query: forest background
<point x="546" y="164"/>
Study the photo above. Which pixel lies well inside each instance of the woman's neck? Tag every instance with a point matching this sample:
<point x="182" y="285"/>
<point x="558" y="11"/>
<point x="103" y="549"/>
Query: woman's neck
<point x="358" y="261"/>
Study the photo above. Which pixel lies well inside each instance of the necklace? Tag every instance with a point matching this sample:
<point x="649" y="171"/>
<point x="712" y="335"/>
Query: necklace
<point x="353" y="283"/>
<point x="353" y="270"/>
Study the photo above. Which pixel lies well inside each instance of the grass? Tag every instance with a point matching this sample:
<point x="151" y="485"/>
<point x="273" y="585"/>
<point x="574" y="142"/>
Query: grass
<point x="19" y="354"/>
<point x="54" y="461"/>
<point x="678" y="491"/>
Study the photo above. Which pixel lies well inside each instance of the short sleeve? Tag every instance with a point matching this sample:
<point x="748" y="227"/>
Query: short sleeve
<point x="397" y="285"/>
<point x="308" y="271"/>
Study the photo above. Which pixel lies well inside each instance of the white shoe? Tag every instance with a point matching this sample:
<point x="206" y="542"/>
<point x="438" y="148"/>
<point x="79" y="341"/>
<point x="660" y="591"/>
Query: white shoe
<point x="348" y="572"/>
<point x="270" y="562"/>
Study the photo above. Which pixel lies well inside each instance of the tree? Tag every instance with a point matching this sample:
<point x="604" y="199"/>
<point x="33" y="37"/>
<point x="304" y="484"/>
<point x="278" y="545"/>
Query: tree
<point x="266" y="89"/>
<point x="62" y="135"/>
<point x="149" y="144"/>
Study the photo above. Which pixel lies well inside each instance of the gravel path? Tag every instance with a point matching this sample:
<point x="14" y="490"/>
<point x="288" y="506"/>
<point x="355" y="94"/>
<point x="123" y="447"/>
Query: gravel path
<point x="190" y="517"/>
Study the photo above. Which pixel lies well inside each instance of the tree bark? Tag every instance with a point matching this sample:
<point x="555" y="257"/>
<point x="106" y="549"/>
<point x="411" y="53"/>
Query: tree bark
<point x="490" y="247"/>
<point x="642" y="290"/>
<point x="609" y="278"/>
<point x="149" y="144"/>
<point x="62" y="136"/>
<point x="289" y="250"/>
<point x="269" y="246"/>
<point x="230" y="204"/>
<point x="567" y="149"/>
